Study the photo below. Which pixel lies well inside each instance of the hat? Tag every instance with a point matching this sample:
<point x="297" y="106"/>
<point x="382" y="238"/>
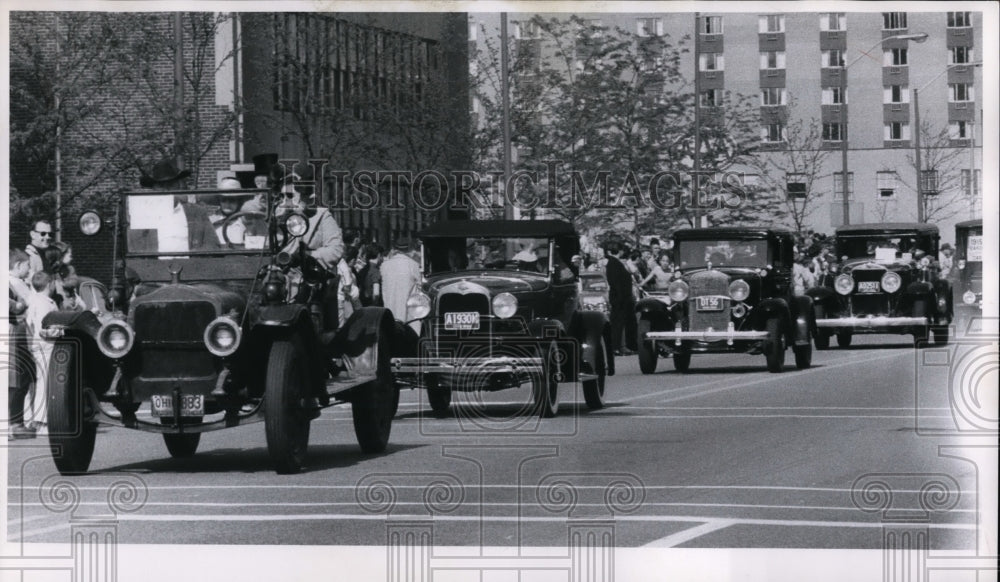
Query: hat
<point x="402" y="243"/>
<point x="229" y="183"/>
<point x="947" y="247"/>
<point x="164" y="172"/>
<point x="264" y="163"/>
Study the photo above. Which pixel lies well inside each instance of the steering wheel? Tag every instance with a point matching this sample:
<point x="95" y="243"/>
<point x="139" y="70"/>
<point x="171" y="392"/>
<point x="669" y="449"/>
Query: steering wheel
<point x="229" y="220"/>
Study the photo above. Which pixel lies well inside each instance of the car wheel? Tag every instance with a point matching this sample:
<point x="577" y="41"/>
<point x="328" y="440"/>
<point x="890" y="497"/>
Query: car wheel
<point x="374" y="407"/>
<point x="286" y="423"/>
<point x="544" y="387"/>
<point x="438" y="396"/>
<point x="71" y="432"/>
<point x="647" y="349"/>
<point x="593" y="390"/>
<point x="822" y="337"/>
<point x="803" y="356"/>
<point x="844" y="339"/>
<point x="682" y="361"/>
<point x="182" y="445"/>
<point x="921" y="334"/>
<point x="774" y="348"/>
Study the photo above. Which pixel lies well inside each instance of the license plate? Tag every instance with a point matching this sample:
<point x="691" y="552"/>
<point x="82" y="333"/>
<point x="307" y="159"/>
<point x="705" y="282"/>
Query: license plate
<point x="868" y="287"/>
<point x="191" y="405"/>
<point x="708" y="303"/>
<point x="461" y="320"/>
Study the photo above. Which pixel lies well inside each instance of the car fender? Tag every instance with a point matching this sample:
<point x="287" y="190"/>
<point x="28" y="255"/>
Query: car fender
<point x="360" y="331"/>
<point x="918" y="288"/>
<point x="588" y="324"/>
<point x="942" y="289"/>
<point x="768" y="308"/>
<point x="659" y="315"/>
<point x="804" y="317"/>
<point x="82" y="327"/>
<point x="822" y="296"/>
<point x="281" y="321"/>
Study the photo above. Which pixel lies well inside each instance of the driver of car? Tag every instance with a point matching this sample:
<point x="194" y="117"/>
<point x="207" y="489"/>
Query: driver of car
<point x="229" y="204"/>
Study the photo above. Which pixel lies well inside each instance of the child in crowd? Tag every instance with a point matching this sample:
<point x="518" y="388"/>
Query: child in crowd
<point x="21" y="370"/>
<point x="40" y="304"/>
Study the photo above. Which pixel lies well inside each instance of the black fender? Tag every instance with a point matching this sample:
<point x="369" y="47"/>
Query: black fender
<point x="945" y="300"/>
<point x="919" y="289"/>
<point x="554" y="329"/>
<point x="282" y="321"/>
<point x="589" y="324"/>
<point x="81" y="328"/>
<point x="803" y="318"/>
<point x="660" y="316"/>
<point x="767" y="309"/>
<point x="361" y="331"/>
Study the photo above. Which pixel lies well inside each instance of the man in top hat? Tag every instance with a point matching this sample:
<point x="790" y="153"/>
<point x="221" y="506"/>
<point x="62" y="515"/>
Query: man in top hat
<point x="187" y="228"/>
<point x="400" y="275"/>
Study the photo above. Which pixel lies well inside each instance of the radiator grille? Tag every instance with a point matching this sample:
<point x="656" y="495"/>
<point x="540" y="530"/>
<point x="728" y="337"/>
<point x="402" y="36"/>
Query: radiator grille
<point x="455" y="302"/>
<point x="709" y="283"/>
<point x="702" y="320"/>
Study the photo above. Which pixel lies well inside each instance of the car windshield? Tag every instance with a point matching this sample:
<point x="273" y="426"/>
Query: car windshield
<point x="882" y="248"/>
<point x="456" y="254"/>
<point x="722" y="253"/>
<point x="173" y="225"/>
<point x="594" y="283"/>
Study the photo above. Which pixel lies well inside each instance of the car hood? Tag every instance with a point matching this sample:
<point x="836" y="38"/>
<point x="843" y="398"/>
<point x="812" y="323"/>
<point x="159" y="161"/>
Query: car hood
<point x="902" y="267"/>
<point x="748" y="274"/>
<point x="227" y="297"/>
<point x="495" y="283"/>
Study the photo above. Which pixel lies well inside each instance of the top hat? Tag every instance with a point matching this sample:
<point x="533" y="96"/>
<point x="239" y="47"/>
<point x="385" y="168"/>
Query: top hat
<point x="164" y="172"/>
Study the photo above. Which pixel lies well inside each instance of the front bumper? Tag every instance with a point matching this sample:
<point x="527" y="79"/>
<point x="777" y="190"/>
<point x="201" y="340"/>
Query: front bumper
<point x="467" y="365"/>
<point x="729" y="335"/>
<point x="872" y="322"/>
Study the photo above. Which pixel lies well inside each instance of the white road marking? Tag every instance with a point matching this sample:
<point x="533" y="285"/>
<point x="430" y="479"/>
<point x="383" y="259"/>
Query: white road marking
<point x="899" y="416"/>
<point x="489" y="486"/>
<point x="687" y="535"/>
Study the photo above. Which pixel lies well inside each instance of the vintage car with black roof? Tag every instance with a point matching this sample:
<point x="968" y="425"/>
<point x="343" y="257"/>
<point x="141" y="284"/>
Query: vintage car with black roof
<point x="499" y="309"/>
<point x="220" y="324"/>
<point x="886" y="283"/>
<point x="731" y="293"/>
<point x="967" y="272"/>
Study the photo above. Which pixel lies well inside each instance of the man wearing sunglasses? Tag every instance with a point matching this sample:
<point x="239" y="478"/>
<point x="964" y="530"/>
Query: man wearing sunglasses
<point x="41" y="236"/>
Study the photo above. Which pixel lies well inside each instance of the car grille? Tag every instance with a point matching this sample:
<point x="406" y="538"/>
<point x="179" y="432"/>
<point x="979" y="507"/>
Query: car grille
<point x="708" y="283"/>
<point x="456" y="302"/>
<point x="874" y="304"/>
<point x="702" y="320"/>
<point x="173" y="321"/>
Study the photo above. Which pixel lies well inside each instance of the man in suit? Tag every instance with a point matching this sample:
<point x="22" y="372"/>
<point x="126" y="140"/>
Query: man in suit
<point x="622" y="301"/>
<point x="187" y="228"/>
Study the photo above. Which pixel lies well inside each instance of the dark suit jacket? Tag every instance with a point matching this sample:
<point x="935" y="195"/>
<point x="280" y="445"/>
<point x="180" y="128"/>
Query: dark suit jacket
<point x="619" y="282"/>
<point x="201" y="233"/>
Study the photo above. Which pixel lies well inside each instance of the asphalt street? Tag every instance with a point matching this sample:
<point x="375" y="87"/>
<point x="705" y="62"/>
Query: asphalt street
<point x="724" y="456"/>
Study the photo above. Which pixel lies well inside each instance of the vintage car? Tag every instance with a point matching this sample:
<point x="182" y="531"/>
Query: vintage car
<point x="499" y="309"/>
<point x="731" y="292"/>
<point x="224" y="321"/>
<point x="967" y="271"/>
<point x="886" y="282"/>
<point x="594" y="292"/>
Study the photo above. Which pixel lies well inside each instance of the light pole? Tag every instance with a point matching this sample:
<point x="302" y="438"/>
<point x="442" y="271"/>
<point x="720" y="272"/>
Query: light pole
<point x="918" y="37"/>
<point x="921" y="210"/>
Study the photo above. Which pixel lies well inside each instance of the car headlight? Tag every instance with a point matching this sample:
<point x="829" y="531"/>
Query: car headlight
<point x="968" y="298"/>
<point x="504" y="305"/>
<point x="296" y="224"/>
<point x="90" y="223"/>
<point x="115" y="338"/>
<point x="222" y="336"/>
<point x="844" y="284"/>
<point x="961" y="264"/>
<point x="418" y="306"/>
<point x="925" y="262"/>
<point x="739" y="290"/>
<point x="678" y="290"/>
<point x="891" y="282"/>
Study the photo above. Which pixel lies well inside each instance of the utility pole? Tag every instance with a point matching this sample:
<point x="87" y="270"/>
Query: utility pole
<point x="696" y="178"/>
<point x="508" y="208"/>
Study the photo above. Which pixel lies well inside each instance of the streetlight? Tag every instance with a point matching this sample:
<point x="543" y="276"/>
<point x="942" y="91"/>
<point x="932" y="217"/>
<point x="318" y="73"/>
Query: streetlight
<point x="921" y="211"/>
<point x="918" y="37"/>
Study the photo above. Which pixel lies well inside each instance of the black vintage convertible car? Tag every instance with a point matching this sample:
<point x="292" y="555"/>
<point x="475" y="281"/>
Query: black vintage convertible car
<point x="219" y="325"/>
<point x="886" y="282"/>
<point x="499" y="309"/>
<point x="967" y="272"/>
<point x="731" y="293"/>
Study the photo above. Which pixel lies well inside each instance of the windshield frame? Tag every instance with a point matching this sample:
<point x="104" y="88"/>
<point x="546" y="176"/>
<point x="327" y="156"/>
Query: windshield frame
<point x="468" y="241"/>
<point x="734" y="242"/>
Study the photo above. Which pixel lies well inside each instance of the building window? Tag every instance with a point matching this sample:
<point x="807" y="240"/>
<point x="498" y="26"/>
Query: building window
<point x="773" y="96"/>
<point x="971" y="188"/>
<point x="959" y="19"/>
<point x="833" y="96"/>
<point x="527" y="30"/>
<point x="473" y="30"/>
<point x="649" y="26"/>
<point x="838" y="186"/>
<point x="772" y="23"/>
<point x="885" y="183"/>
<point x="893" y="20"/>
<point x="929" y="182"/>
<point x="772" y="60"/>
<point x="833" y="21"/>
<point x="897" y="131"/>
<point x="772" y="133"/>
<point x="895" y="94"/>
<point x="711" y="25"/>
<point x="711" y="62"/>
<point x="960" y="55"/>
<point x="795" y="185"/>
<point x="833" y="132"/>
<point x="894" y="57"/>
<point x="833" y="58"/>
<point x="959" y="92"/>
<point x="711" y="98"/>
<point x="959" y="130"/>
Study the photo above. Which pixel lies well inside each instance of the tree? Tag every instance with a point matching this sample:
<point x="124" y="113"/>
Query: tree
<point x="942" y="174"/>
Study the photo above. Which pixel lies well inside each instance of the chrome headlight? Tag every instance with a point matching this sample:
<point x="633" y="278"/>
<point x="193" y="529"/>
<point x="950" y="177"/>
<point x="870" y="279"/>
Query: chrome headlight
<point x="222" y="336"/>
<point x="844" y="284"/>
<point x="678" y="290"/>
<point x="739" y="290"/>
<point x="961" y="264"/>
<point x="297" y="224"/>
<point x="504" y="305"/>
<point x="418" y="306"/>
<point x="925" y="262"/>
<point x="891" y="282"/>
<point x="90" y="223"/>
<point x="968" y="298"/>
<point x="115" y="338"/>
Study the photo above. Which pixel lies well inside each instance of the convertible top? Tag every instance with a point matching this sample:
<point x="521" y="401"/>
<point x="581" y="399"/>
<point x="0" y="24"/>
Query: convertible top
<point x="498" y="228"/>
<point x="977" y="223"/>
<point x="722" y="232"/>
<point x="888" y="228"/>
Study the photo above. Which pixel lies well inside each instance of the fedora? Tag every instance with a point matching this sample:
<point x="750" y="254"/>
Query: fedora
<point x="164" y="172"/>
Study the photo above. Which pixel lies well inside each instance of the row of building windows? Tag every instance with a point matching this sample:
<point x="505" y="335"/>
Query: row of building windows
<point x="834" y="58"/>
<point x="886" y="184"/>
<point x="829" y="21"/>
<point x="775" y="133"/>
